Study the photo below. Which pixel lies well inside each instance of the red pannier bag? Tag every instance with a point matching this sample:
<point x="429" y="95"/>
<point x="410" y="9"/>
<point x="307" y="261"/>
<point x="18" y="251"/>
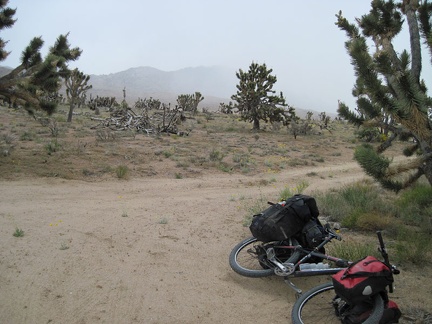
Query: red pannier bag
<point x="362" y="279"/>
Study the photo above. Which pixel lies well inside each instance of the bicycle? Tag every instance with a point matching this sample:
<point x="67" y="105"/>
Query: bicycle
<point x="322" y="305"/>
<point x="256" y="259"/>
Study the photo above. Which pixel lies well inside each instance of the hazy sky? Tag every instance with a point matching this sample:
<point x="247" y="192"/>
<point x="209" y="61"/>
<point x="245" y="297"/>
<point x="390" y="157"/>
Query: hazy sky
<point x="297" y="39"/>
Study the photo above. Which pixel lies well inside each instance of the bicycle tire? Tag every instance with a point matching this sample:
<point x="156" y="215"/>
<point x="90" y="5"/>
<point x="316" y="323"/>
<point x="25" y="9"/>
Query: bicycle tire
<point x="248" y="265"/>
<point x="315" y="306"/>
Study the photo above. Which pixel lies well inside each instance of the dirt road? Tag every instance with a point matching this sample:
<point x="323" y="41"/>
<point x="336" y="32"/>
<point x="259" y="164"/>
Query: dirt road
<point x="140" y="251"/>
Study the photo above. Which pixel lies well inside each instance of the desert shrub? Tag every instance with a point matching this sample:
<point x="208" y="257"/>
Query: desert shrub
<point x="412" y="246"/>
<point x="122" y="172"/>
<point x="61" y="118"/>
<point x="351" y="250"/>
<point x="18" y="232"/>
<point x="359" y="205"/>
<point x="243" y="162"/>
<point x="365" y="207"/>
<point x="373" y="221"/>
<point x="87" y="172"/>
<point x="170" y="152"/>
<point x="242" y="159"/>
<point x="224" y="167"/>
<point x="105" y="135"/>
<point x="27" y="136"/>
<point x="52" y="147"/>
<point x="332" y="205"/>
<point x="287" y="192"/>
<point x="53" y="127"/>
<point x="296" y="162"/>
<point x="414" y="206"/>
<point x="367" y="221"/>
<point x="216" y="156"/>
<point x="414" y="242"/>
<point x="319" y="159"/>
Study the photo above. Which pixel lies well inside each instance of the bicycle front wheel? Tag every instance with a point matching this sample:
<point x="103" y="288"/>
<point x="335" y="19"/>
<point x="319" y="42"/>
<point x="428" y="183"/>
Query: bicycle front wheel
<point x="316" y="306"/>
<point x="248" y="258"/>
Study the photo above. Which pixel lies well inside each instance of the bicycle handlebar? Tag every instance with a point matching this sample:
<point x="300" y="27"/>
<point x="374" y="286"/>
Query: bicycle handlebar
<point x="382" y="248"/>
<point x="331" y="232"/>
<point x="385" y="256"/>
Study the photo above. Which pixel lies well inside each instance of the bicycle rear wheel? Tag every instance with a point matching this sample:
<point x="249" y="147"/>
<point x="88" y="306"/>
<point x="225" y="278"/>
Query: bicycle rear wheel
<point x="316" y="306"/>
<point x="248" y="258"/>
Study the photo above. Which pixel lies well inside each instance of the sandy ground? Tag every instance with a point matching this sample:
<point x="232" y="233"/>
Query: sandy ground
<point x="141" y="251"/>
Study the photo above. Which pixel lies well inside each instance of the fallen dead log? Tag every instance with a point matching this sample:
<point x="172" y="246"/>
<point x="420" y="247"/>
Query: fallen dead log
<point x="127" y="119"/>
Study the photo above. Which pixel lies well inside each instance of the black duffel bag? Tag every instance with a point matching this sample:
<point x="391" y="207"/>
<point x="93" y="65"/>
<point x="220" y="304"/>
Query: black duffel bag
<point x="285" y="219"/>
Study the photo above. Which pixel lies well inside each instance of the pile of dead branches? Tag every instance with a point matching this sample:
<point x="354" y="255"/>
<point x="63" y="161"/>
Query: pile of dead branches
<point x="165" y="121"/>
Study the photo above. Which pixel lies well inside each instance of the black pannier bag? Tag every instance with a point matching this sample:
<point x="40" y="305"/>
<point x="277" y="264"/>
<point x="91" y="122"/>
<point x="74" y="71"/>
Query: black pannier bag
<point x="283" y="220"/>
<point x="311" y="236"/>
<point x="313" y="233"/>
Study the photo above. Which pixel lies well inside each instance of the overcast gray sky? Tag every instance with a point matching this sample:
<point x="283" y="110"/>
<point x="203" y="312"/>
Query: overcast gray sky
<point x="297" y="39"/>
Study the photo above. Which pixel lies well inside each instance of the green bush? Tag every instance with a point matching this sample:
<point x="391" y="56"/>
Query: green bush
<point x="242" y="159"/>
<point x="412" y="246"/>
<point x="18" y="232"/>
<point x="289" y="192"/>
<point x="216" y="156"/>
<point x="366" y="207"/>
<point x="52" y="147"/>
<point x="122" y="172"/>
<point x="415" y="206"/>
<point x="349" y="250"/>
<point x="27" y="136"/>
<point x="332" y="205"/>
<point x="356" y="204"/>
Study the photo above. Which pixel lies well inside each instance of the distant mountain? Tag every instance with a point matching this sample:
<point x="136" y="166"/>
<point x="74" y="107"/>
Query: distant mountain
<point x="216" y="84"/>
<point x="4" y="70"/>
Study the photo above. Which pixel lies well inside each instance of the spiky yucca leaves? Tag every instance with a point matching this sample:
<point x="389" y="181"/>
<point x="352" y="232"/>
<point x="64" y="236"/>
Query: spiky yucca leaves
<point x="391" y="96"/>
<point x="31" y="83"/>
<point x="6" y="21"/>
<point x="425" y="23"/>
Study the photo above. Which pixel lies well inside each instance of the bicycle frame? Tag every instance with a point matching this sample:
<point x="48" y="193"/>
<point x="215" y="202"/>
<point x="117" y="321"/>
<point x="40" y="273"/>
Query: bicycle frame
<point x="271" y="256"/>
<point x="293" y="270"/>
<point x="341" y="263"/>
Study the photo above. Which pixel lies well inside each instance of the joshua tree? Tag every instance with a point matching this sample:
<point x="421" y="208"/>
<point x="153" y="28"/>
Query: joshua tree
<point x="255" y="99"/>
<point x="226" y="108"/>
<point x="390" y="91"/>
<point x="6" y="21"/>
<point x="76" y="87"/>
<point x="196" y="99"/>
<point x="190" y="102"/>
<point x="35" y="79"/>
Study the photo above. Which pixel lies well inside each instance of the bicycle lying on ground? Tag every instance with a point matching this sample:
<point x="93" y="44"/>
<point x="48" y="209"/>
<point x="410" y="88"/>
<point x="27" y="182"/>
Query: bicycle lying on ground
<point x="321" y="304"/>
<point x="255" y="259"/>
